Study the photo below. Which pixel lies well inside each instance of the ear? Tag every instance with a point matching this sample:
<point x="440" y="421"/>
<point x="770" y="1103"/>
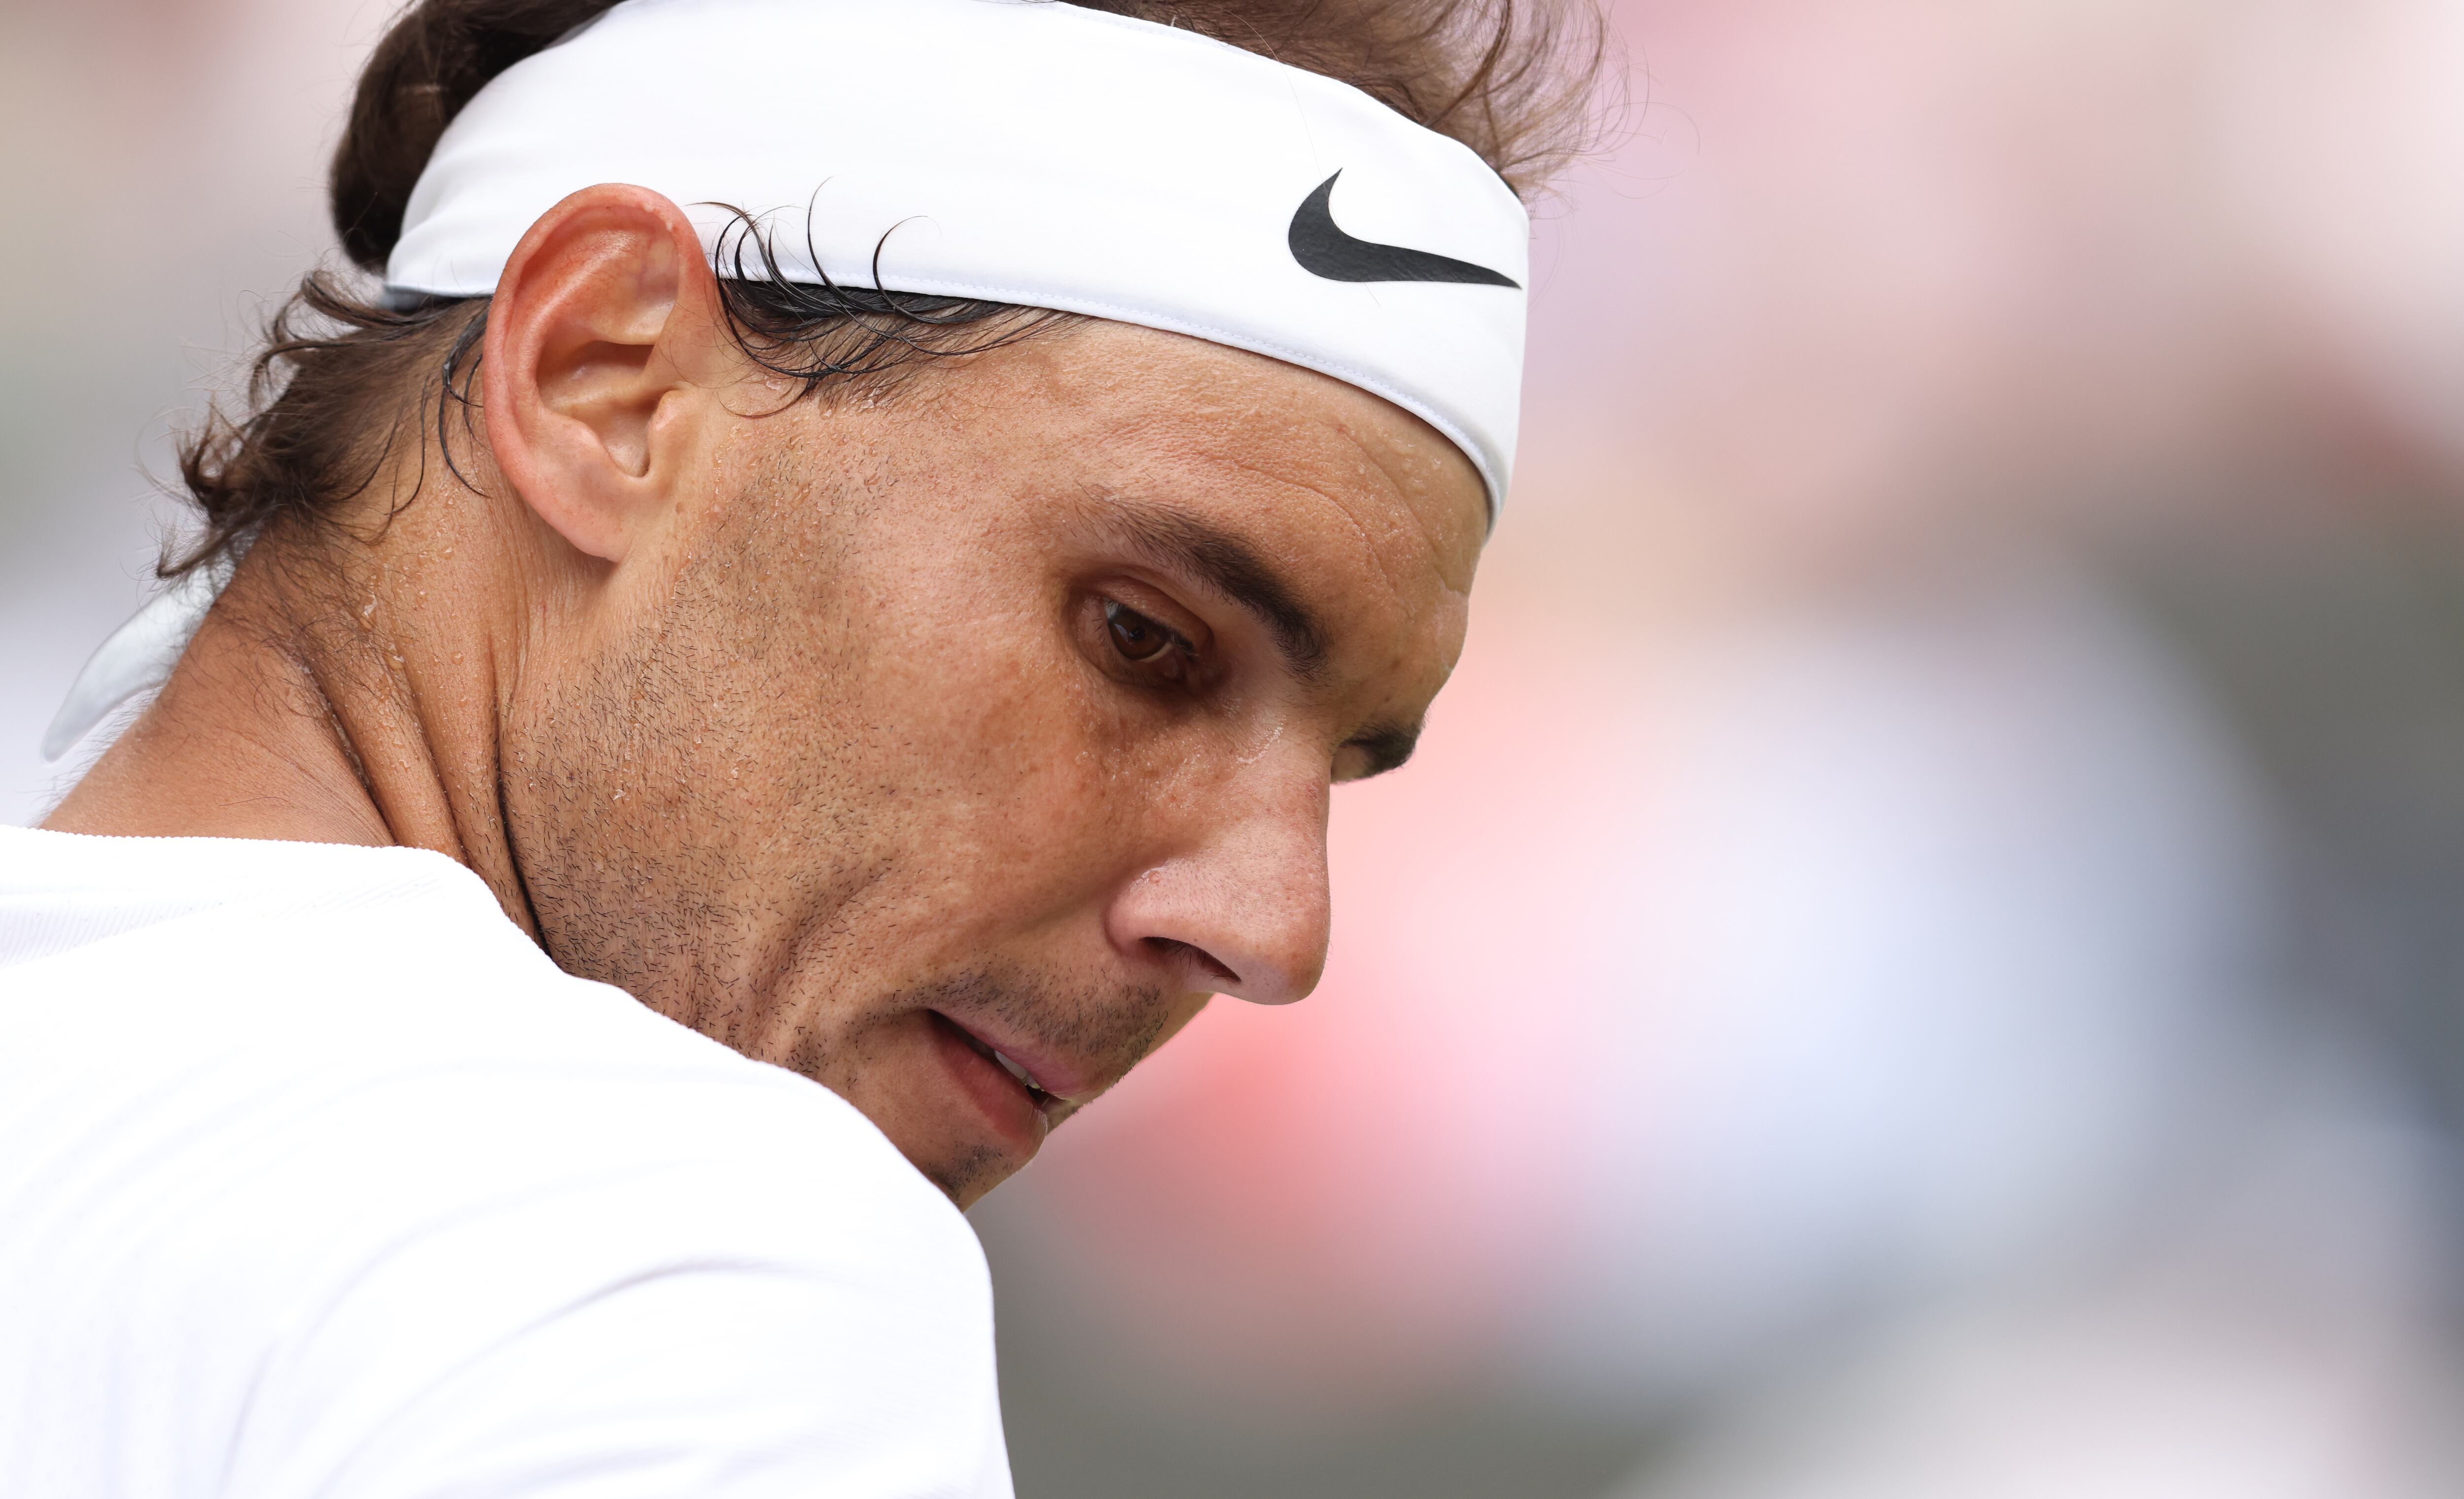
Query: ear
<point x="601" y="365"/>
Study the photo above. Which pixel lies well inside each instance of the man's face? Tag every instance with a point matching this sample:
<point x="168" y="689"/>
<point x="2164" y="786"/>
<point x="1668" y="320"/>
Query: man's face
<point x="996" y="714"/>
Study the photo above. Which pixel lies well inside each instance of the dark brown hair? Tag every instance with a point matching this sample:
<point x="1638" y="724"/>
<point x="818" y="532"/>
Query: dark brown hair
<point x="332" y="391"/>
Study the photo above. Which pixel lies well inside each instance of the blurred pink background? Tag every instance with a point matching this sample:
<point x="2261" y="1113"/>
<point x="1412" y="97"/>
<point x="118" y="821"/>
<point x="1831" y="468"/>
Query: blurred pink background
<point x="1920" y="955"/>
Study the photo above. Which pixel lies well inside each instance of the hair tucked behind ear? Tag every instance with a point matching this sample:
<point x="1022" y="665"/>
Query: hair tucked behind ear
<point x="344" y="375"/>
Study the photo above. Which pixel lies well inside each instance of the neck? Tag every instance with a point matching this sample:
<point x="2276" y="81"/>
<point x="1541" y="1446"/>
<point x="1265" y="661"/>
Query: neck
<point x="295" y="716"/>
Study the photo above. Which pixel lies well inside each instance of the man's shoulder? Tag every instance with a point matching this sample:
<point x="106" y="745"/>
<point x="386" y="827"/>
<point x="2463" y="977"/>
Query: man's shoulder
<point x="347" y="1164"/>
<point x="358" y="1044"/>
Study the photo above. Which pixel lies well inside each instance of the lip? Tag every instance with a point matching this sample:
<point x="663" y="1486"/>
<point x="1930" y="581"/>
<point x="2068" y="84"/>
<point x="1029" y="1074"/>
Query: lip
<point x="1066" y="1085"/>
<point x="1018" y="1119"/>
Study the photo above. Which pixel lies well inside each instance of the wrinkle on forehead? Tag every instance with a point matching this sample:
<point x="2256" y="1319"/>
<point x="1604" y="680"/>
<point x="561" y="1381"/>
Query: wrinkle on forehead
<point x="1401" y="490"/>
<point x="1240" y="396"/>
<point x="1423" y="448"/>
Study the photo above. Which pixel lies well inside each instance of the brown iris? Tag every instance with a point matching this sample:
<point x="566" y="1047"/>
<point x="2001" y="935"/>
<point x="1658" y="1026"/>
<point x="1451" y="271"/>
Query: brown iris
<point x="1137" y="637"/>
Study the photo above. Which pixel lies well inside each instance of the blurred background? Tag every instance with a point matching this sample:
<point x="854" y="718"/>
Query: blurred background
<point x="1924" y="954"/>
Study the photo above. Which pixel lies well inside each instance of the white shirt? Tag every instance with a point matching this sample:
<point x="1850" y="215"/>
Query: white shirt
<point x="318" y="1177"/>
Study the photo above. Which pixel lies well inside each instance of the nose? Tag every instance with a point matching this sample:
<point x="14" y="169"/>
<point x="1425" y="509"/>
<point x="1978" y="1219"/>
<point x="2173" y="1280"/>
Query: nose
<point x="1243" y="912"/>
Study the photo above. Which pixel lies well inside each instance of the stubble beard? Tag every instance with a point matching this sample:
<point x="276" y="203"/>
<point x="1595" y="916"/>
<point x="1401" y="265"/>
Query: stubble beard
<point x="631" y="836"/>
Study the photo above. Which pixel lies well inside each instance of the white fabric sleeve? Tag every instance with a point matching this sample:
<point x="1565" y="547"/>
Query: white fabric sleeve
<point x="321" y="1182"/>
<point x="649" y="1336"/>
<point x="724" y="1382"/>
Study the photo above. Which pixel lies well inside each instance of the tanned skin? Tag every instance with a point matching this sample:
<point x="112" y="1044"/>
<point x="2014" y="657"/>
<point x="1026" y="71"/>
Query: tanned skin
<point x="864" y="734"/>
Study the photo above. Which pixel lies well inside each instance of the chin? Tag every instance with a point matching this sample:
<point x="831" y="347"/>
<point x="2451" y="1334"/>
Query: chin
<point x="966" y="1181"/>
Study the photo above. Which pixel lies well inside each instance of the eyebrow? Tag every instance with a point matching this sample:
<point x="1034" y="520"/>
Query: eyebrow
<point x="1232" y="568"/>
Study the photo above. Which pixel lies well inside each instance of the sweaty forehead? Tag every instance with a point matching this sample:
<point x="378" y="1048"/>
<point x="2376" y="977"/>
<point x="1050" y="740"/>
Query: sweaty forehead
<point x="1308" y="469"/>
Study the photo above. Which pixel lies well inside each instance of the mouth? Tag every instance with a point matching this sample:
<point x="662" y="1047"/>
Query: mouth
<point x="1007" y="1090"/>
<point x="1036" y="1092"/>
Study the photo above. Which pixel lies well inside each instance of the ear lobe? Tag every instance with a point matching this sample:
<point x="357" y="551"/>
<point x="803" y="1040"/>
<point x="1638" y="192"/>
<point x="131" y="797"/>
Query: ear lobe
<point x="600" y="326"/>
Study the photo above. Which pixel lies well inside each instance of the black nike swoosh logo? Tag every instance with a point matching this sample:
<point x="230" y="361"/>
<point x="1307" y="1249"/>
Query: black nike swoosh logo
<point x="1323" y="249"/>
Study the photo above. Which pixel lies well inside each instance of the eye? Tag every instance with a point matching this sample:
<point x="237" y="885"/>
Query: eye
<point x="1137" y="638"/>
<point x="1145" y="645"/>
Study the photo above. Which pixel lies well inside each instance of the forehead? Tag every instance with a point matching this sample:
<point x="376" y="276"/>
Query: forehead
<point x="1305" y="467"/>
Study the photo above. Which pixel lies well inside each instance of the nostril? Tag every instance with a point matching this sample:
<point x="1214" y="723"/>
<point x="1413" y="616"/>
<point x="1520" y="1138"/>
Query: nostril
<point x="1199" y="958"/>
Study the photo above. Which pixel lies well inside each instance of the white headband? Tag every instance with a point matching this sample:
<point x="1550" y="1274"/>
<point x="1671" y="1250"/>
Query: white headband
<point x="1021" y="151"/>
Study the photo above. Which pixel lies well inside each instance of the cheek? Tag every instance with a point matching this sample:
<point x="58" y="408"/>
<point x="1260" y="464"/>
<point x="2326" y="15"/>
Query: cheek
<point x="1017" y="786"/>
<point x="928" y="730"/>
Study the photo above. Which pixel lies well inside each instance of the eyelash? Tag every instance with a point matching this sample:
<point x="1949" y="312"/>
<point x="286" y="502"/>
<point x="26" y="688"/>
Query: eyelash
<point x="1179" y="664"/>
<point x="1172" y="664"/>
